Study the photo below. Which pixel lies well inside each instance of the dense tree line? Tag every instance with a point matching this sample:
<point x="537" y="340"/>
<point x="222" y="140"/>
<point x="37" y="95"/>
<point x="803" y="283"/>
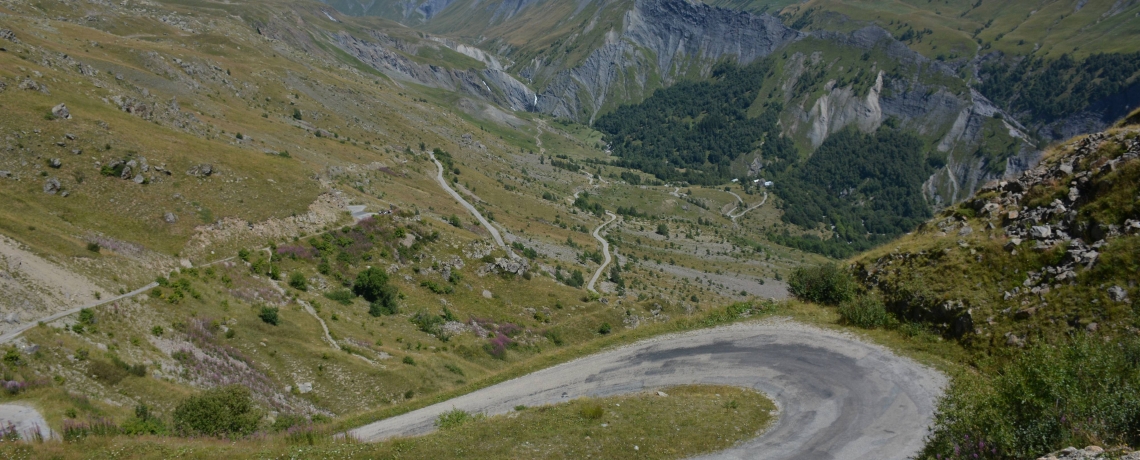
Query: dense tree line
<point x="867" y="188"/>
<point x="1045" y="91"/>
<point x="864" y="188"/>
<point x="692" y="131"/>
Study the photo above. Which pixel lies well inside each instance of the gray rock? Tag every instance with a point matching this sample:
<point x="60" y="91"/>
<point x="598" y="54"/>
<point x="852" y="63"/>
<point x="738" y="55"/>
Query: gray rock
<point x="139" y="179"/>
<point x="32" y="85"/>
<point x="69" y="136"/>
<point x="487" y="294"/>
<point x="8" y="35"/>
<point x="55" y="163"/>
<point x="52" y="186"/>
<point x="170" y="218"/>
<point x="202" y="170"/>
<point x="60" y="111"/>
<point x="1117" y="294"/>
<point x="305" y="387"/>
<point x="6" y="174"/>
<point x="76" y="151"/>
<point x="1040" y="232"/>
<point x="127" y="173"/>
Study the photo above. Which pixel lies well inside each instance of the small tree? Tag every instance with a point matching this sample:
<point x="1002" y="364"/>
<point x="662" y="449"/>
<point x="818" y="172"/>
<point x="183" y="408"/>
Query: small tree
<point x="269" y="315"/>
<point x="372" y="284"/>
<point x="663" y="230"/>
<point x="298" y="281"/>
<point x="827" y="284"/>
<point x="296" y="114"/>
<point x="226" y="411"/>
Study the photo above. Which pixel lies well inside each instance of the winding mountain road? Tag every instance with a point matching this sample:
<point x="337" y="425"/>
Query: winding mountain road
<point x="839" y="398"/>
<point x="486" y="224"/>
<point x="605" y="251"/>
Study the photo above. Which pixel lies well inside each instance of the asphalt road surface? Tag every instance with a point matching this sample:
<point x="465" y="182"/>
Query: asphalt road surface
<point x="839" y="398"/>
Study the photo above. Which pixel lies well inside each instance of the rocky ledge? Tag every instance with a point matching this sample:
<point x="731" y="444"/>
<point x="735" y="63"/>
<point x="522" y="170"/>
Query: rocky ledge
<point x="1092" y="452"/>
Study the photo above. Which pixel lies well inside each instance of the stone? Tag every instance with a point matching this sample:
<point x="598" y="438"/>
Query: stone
<point x="60" y="111"/>
<point x="1092" y="327"/>
<point x="966" y="230"/>
<point x="1013" y="243"/>
<point x="169" y="218"/>
<point x="487" y="294"/>
<point x="55" y="163"/>
<point x="127" y="173"/>
<point x="5" y="174"/>
<point x="139" y="179"/>
<point x="52" y="186"/>
<point x="76" y="151"/>
<point x="306" y="387"/>
<point x="69" y="136"/>
<point x="32" y="85"/>
<point x="991" y="209"/>
<point x="1013" y="215"/>
<point x="1117" y="294"/>
<point x="202" y="170"/>
<point x="1040" y="232"/>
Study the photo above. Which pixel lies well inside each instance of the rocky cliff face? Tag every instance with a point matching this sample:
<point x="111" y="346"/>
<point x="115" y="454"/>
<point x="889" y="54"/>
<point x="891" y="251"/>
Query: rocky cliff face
<point x="492" y="83"/>
<point x="660" y="42"/>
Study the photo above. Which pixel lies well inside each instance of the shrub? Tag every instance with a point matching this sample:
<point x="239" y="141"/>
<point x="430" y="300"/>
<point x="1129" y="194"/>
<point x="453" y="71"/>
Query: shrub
<point x="865" y="311"/>
<point x="429" y="323"/>
<point x="341" y="296"/>
<point x="225" y="411"/>
<point x="93" y="247"/>
<point x="1086" y="391"/>
<point x="453" y="418"/>
<point x="86" y="316"/>
<point x="106" y="372"/>
<point x="372" y="284"/>
<point x="605" y="329"/>
<point x="378" y="309"/>
<point x="269" y="315"/>
<point x="157" y="331"/>
<point x="298" y="281"/>
<point x="409" y="361"/>
<point x="591" y="411"/>
<point x="826" y="284"/>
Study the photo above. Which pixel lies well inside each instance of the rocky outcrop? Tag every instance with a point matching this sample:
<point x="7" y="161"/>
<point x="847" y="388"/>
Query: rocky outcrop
<point x="1091" y="453"/>
<point x="491" y="84"/>
<point x="660" y="39"/>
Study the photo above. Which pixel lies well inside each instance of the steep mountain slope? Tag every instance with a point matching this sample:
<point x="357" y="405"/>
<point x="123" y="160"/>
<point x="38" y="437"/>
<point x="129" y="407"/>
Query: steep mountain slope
<point x="224" y="193"/>
<point x="1049" y="253"/>
<point x="585" y="58"/>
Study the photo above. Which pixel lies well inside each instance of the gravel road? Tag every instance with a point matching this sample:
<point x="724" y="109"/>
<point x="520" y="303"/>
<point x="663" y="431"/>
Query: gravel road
<point x="605" y="251"/>
<point x="450" y="191"/>
<point x="839" y="398"/>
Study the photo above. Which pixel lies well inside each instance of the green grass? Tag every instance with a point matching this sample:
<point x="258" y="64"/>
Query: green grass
<point x="690" y="420"/>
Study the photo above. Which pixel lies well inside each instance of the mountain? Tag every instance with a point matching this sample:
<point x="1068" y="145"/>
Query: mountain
<point x="984" y="108"/>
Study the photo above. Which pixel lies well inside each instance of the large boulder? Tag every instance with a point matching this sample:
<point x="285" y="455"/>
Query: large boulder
<point x="52" y="186"/>
<point x="60" y="111"/>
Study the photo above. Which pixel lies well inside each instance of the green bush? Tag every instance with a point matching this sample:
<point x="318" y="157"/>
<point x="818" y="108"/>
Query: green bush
<point x="592" y="411"/>
<point x="372" y="284"/>
<point x="298" y="281"/>
<point x="269" y="315"/>
<point x="826" y="284"/>
<point x="866" y="311"/>
<point x="453" y="418"/>
<point x="1083" y="392"/>
<point x="106" y="372"/>
<point x="341" y="296"/>
<point x="225" y="411"/>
